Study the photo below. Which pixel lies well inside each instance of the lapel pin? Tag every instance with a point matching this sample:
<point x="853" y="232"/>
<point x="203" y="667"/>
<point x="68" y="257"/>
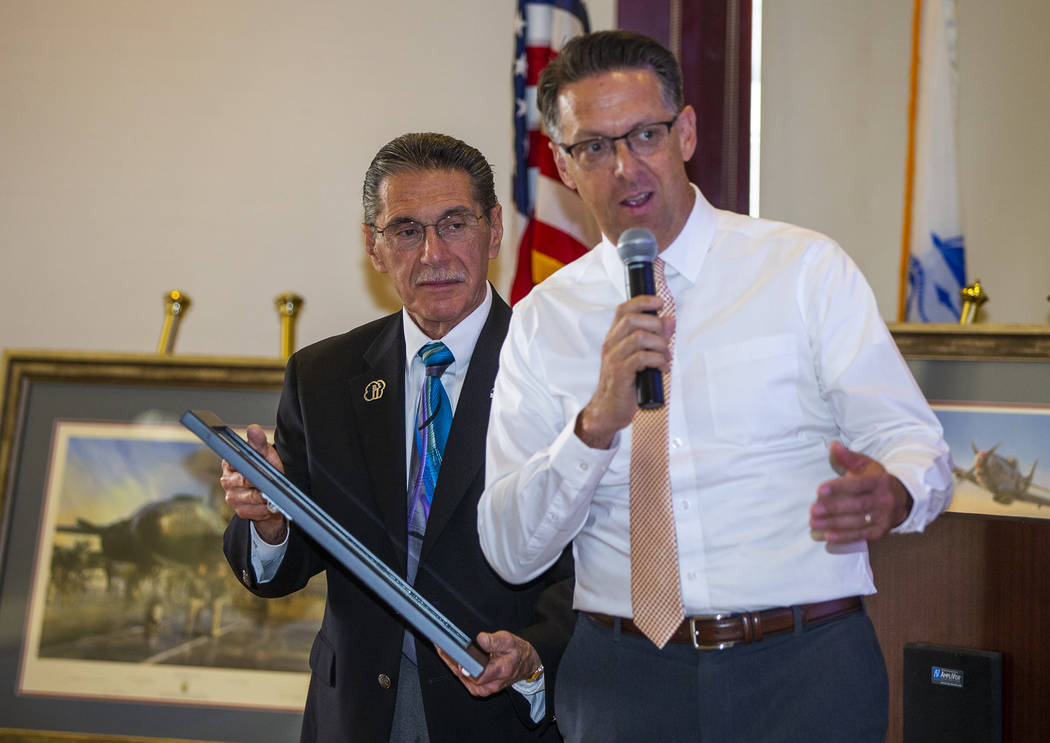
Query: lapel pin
<point x="492" y="393"/>
<point x="374" y="390"/>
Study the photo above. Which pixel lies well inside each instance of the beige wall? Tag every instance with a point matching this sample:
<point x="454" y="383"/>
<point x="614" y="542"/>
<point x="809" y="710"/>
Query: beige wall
<point x="834" y="135"/>
<point x="218" y="148"/>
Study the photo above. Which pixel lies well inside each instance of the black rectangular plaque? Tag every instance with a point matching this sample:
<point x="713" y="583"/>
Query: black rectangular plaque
<point x="297" y="507"/>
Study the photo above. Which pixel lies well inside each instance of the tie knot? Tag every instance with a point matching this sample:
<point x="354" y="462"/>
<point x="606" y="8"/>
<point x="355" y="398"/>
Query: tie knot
<point x="436" y="357"/>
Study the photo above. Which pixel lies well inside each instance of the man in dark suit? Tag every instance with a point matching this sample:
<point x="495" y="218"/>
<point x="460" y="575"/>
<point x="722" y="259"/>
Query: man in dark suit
<point x="351" y="434"/>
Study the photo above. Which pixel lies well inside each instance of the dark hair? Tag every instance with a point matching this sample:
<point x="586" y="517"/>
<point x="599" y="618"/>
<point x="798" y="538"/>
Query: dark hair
<point x="427" y="151"/>
<point x="605" y="51"/>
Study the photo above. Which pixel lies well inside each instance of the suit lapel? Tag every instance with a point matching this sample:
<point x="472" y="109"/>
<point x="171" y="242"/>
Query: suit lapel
<point x="380" y="422"/>
<point x="464" y="456"/>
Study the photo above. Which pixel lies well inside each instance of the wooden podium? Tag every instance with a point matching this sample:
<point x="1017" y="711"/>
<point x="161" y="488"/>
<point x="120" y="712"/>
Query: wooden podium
<point x="976" y="582"/>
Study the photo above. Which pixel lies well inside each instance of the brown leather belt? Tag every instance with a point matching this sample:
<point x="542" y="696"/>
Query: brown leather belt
<point x="721" y="631"/>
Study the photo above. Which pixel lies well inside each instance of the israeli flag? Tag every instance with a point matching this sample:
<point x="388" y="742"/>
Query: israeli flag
<point x="937" y="263"/>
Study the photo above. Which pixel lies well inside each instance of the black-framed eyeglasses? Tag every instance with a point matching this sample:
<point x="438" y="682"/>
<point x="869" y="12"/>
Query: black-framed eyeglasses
<point x="408" y="234"/>
<point x="643" y="140"/>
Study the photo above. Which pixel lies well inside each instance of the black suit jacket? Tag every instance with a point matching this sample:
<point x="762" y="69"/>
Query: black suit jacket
<point x="346" y="449"/>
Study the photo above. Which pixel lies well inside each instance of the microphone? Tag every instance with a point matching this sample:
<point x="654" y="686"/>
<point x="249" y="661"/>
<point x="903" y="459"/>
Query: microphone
<point x="637" y="248"/>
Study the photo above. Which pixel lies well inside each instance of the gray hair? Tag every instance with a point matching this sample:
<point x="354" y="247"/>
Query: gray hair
<point x="606" y="51"/>
<point x="427" y="151"/>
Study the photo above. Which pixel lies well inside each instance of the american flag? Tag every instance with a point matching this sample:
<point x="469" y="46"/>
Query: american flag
<point x="553" y="223"/>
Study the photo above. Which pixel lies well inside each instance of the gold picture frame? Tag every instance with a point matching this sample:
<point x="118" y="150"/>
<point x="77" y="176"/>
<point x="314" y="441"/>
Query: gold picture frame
<point x="990" y="387"/>
<point x="1003" y="342"/>
<point x="41" y="390"/>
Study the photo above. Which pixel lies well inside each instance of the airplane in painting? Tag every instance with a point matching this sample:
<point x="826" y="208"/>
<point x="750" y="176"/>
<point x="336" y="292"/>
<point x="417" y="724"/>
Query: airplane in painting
<point x="1001" y="477"/>
<point x="182" y="533"/>
<point x="181" y="530"/>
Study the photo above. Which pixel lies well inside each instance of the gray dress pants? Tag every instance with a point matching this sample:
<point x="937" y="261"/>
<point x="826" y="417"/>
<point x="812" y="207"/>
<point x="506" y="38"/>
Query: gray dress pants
<point x="823" y="682"/>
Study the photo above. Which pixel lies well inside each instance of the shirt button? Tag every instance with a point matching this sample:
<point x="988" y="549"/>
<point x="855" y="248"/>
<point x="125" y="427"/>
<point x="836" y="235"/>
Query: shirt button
<point x="691" y="575"/>
<point x="384" y="681"/>
<point x="583" y="466"/>
<point x="676" y="443"/>
<point x="684" y="504"/>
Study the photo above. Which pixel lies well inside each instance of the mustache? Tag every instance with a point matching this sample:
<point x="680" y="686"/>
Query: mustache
<point x="433" y="275"/>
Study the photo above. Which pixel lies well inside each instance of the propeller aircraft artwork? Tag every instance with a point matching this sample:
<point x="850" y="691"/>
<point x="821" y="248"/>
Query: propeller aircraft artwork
<point x="1003" y="478"/>
<point x="132" y="596"/>
<point x="179" y="531"/>
<point x="1000" y="452"/>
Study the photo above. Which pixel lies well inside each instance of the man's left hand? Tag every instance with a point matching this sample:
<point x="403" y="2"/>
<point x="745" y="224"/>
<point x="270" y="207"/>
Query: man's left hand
<point x="511" y="659"/>
<point x="865" y="502"/>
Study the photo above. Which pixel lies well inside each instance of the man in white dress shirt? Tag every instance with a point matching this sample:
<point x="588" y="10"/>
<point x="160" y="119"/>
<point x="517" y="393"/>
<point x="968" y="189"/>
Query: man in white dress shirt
<point x="795" y="434"/>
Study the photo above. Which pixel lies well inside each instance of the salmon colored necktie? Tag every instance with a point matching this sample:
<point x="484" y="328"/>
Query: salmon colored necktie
<point x="656" y="592"/>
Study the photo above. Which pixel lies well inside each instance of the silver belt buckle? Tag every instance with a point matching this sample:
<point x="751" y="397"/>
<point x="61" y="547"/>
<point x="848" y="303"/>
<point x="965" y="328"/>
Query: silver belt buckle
<point x="702" y="618"/>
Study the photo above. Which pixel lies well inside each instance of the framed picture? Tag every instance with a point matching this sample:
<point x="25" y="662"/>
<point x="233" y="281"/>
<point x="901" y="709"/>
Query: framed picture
<point x="118" y="615"/>
<point x="989" y="385"/>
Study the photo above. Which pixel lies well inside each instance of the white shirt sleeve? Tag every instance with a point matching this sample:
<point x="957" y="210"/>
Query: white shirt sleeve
<point x="536" y="694"/>
<point x="876" y="402"/>
<point x="539" y="476"/>
<point x="266" y="557"/>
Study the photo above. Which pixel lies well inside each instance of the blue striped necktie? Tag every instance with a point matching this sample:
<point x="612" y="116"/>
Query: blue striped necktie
<point x="433" y="421"/>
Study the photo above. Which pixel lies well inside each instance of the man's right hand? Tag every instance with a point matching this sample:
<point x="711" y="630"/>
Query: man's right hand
<point x="246" y="501"/>
<point x="636" y="341"/>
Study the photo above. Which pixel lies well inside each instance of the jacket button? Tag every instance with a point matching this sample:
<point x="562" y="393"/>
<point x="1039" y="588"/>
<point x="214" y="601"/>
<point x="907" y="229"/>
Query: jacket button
<point x="384" y="681"/>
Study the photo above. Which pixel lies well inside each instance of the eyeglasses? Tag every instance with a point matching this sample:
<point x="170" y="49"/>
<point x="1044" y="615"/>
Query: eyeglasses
<point x="643" y="140"/>
<point x="453" y="228"/>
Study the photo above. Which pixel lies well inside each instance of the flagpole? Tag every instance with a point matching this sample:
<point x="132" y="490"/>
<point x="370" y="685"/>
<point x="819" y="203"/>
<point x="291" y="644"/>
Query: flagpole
<point x="909" y="176"/>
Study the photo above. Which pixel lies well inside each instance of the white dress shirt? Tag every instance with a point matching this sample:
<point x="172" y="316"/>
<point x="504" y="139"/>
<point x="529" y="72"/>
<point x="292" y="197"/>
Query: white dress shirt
<point x="779" y="350"/>
<point x="460" y="340"/>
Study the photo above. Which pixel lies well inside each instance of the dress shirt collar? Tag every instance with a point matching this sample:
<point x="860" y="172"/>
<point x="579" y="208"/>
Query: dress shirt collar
<point x="460" y="340"/>
<point x="685" y="255"/>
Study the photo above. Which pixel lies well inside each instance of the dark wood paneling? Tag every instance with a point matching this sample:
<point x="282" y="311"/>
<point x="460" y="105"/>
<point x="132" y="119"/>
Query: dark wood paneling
<point x="714" y="43"/>
<point x="973" y="582"/>
<point x="716" y="67"/>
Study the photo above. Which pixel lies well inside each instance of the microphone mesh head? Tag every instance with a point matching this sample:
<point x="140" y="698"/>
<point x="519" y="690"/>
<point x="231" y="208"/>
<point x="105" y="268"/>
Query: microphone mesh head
<point x="637" y="244"/>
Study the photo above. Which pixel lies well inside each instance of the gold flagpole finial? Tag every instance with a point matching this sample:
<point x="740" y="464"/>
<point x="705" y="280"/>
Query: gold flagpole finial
<point x="175" y="304"/>
<point x="288" y="306"/>
<point x="973" y="296"/>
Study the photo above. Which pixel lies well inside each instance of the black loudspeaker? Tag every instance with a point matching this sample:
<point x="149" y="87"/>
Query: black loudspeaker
<point x="952" y="694"/>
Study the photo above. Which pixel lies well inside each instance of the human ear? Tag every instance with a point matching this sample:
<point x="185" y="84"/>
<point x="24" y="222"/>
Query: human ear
<point x="370" y="247"/>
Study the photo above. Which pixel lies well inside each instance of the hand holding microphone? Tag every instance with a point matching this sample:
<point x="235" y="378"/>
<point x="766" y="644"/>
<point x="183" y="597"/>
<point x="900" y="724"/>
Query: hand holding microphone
<point x="637" y="248"/>
<point x="635" y="352"/>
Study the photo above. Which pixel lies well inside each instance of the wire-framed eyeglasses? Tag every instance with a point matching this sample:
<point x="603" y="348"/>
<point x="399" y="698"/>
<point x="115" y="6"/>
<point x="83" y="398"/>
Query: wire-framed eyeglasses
<point x="643" y="140"/>
<point x="408" y="234"/>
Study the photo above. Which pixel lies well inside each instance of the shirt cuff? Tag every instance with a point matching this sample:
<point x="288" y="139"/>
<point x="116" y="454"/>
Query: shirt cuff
<point x="930" y="489"/>
<point x="578" y="469"/>
<point x="266" y="557"/>
<point x="579" y="466"/>
<point x="536" y="694"/>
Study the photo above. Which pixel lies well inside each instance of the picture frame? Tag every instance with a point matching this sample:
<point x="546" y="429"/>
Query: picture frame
<point x="981" y="342"/>
<point x="40" y="390"/>
<point x="990" y="387"/>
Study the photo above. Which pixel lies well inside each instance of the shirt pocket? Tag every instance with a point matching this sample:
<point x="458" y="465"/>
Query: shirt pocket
<point x="752" y="389"/>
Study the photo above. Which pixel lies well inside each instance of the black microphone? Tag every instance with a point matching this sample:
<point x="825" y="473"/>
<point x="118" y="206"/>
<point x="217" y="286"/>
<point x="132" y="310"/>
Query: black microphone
<point x="637" y="248"/>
